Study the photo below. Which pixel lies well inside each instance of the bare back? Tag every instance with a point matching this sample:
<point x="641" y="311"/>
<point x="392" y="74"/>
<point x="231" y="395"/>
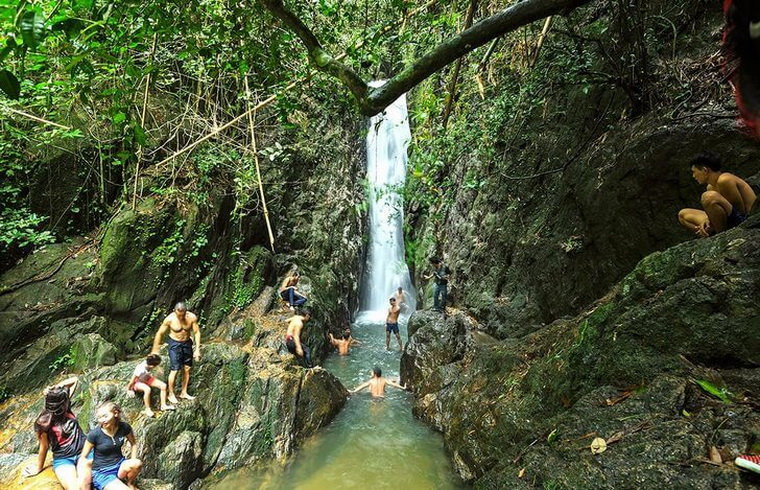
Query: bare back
<point x="737" y="192"/>
<point x="342" y="346"/>
<point x="377" y="387"/>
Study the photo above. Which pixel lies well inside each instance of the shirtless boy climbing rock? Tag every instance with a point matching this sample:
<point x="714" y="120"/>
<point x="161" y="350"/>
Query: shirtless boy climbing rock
<point x="182" y="351"/>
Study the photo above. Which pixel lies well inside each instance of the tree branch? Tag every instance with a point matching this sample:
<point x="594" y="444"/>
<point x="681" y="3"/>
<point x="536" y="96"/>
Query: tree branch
<point x="317" y="54"/>
<point x="374" y="100"/>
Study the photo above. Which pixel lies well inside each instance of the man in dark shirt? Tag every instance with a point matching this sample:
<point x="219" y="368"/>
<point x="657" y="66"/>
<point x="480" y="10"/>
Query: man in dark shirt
<point x="441" y="273"/>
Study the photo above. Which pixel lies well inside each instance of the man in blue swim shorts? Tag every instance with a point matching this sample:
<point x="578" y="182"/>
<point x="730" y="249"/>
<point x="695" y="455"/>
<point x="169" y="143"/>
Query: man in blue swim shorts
<point x="391" y="324"/>
<point x="182" y="350"/>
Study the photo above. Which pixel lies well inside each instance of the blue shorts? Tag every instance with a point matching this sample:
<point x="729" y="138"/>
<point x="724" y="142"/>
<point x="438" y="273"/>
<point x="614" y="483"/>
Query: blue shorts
<point x="391" y="327"/>
<point x="71" y="460"/>
<point x="180" y="354"/>
<point x="103" y="476"/>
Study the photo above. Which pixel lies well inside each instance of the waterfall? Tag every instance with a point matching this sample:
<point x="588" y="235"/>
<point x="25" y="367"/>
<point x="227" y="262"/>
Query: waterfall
<point x="388" y="137"/>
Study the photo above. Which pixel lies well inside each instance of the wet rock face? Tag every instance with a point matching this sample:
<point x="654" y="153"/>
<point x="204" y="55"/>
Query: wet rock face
<point x="252" y="404"/>
<point x="522" y="413"/>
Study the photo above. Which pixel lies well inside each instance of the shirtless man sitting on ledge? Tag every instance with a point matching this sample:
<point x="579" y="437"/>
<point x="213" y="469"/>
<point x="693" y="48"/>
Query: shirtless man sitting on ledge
<point x="726" y="202"/>
<point x="182" y="352"/>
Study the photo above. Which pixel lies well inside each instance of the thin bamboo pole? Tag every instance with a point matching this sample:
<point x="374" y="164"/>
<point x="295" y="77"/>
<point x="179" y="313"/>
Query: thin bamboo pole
<point x="256" y="161"/>
<point x="541" y="38"/>
<point x="35" y="118"/>
<point x="139" y="154"/>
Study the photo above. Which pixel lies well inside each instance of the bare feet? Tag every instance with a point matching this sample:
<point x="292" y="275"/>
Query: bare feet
<point x="172" y="399"/>
<point x="149" y="413"/>
<point x="185" y="396"/>
<point x="164" y="408"/>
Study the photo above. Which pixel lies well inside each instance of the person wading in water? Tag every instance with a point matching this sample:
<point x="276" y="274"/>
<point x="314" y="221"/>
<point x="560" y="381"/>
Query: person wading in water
<point x="377" y="384"/>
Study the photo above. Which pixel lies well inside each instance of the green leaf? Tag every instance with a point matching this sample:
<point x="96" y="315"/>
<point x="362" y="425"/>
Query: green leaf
<point x="719" y="393"/>
<point x="140" y="135"/>
<point x="70" y="27"/>
<point x="32" y="28"/>
<point x="119" y="118"/>
<point x="9" y="84"/>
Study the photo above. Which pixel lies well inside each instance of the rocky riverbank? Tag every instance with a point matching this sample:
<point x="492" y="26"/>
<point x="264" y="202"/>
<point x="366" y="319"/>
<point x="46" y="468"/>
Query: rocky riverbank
<point x="664" y="368"/>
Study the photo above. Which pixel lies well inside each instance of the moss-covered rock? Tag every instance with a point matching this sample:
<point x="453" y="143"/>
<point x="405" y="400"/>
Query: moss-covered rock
<point x="625" y="370"/>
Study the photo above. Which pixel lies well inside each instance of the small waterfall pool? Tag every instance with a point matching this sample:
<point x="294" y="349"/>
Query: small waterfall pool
<point x="372" y="443"/>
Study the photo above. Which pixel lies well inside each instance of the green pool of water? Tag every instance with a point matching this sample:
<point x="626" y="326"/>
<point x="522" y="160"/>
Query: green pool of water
<point x="371" y="444"/>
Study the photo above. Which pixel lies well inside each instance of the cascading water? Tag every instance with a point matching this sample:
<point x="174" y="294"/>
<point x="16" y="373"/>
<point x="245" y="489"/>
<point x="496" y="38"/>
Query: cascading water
<point x="371" y="443"/>
<point x="387" y="140"/>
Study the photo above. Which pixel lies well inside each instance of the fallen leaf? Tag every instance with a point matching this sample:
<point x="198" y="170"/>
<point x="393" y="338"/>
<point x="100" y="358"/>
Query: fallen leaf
<point x="715" y="455"/>
<point x="598" y="445"/>
<point x="521" y="473"/>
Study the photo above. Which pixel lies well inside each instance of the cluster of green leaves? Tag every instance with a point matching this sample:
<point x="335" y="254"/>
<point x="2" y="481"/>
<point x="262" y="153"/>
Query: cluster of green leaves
<point x="61" y="362"/>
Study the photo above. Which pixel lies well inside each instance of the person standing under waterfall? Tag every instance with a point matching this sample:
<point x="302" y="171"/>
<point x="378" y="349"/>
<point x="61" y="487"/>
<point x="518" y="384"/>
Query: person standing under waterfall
<point x="441" y="273"/>
<point x="400" y="298"/>
<point x="182" y="352"/>
<point x="726" y="202"/>
<point x="293" y="338"/>
<point x="391" y="324"/>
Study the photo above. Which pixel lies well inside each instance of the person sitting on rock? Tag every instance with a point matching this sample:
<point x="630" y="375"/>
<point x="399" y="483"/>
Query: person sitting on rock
<point x="391" y="324"/>
<point x="142" y="380"/>
<point x="289" y="291"/>
<point x="343" y="343"/>
<point x="726" y="202"/>
<point x="293" y="337"/>
<point x="182" y="352"/>
<point x="110" y="469"/>
<point x="57" y="428"/>
<point x="377" y="384"/>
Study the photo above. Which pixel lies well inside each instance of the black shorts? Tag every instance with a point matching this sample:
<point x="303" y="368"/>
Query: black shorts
<point x="391" y="327"/>
<point x="180" y="354"/>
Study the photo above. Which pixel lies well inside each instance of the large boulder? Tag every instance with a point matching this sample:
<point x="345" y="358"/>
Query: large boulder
<point x="252" y="404"/>
<point x="637" y="369"/>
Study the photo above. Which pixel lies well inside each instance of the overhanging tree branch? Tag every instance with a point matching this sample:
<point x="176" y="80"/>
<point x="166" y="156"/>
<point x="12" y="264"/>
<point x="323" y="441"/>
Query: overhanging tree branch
<point x="373" y="100"/>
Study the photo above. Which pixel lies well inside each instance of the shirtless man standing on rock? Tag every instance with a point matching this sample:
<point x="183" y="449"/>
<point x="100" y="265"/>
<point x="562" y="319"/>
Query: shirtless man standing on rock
<point x="391" y="324"/>
<point x="181" y="352"/>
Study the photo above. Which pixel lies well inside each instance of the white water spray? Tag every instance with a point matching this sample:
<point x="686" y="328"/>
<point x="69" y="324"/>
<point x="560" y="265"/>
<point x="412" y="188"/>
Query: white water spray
<point x="387" y="140"/>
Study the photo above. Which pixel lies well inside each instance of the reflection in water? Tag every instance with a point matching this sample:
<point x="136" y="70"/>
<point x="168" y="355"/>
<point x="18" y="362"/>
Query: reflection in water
<point x="371" y="443"/>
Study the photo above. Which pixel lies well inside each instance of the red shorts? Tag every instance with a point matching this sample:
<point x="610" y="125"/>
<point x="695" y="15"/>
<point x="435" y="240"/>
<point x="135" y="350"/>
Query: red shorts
<point x="148" y="381"/>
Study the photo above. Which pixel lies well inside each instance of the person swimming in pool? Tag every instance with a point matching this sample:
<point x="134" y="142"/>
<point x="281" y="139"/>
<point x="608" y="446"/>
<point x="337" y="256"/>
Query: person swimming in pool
<point x="343" y="343"/>
<point x="377" y="384"/>
<point x="391" y="324"/>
